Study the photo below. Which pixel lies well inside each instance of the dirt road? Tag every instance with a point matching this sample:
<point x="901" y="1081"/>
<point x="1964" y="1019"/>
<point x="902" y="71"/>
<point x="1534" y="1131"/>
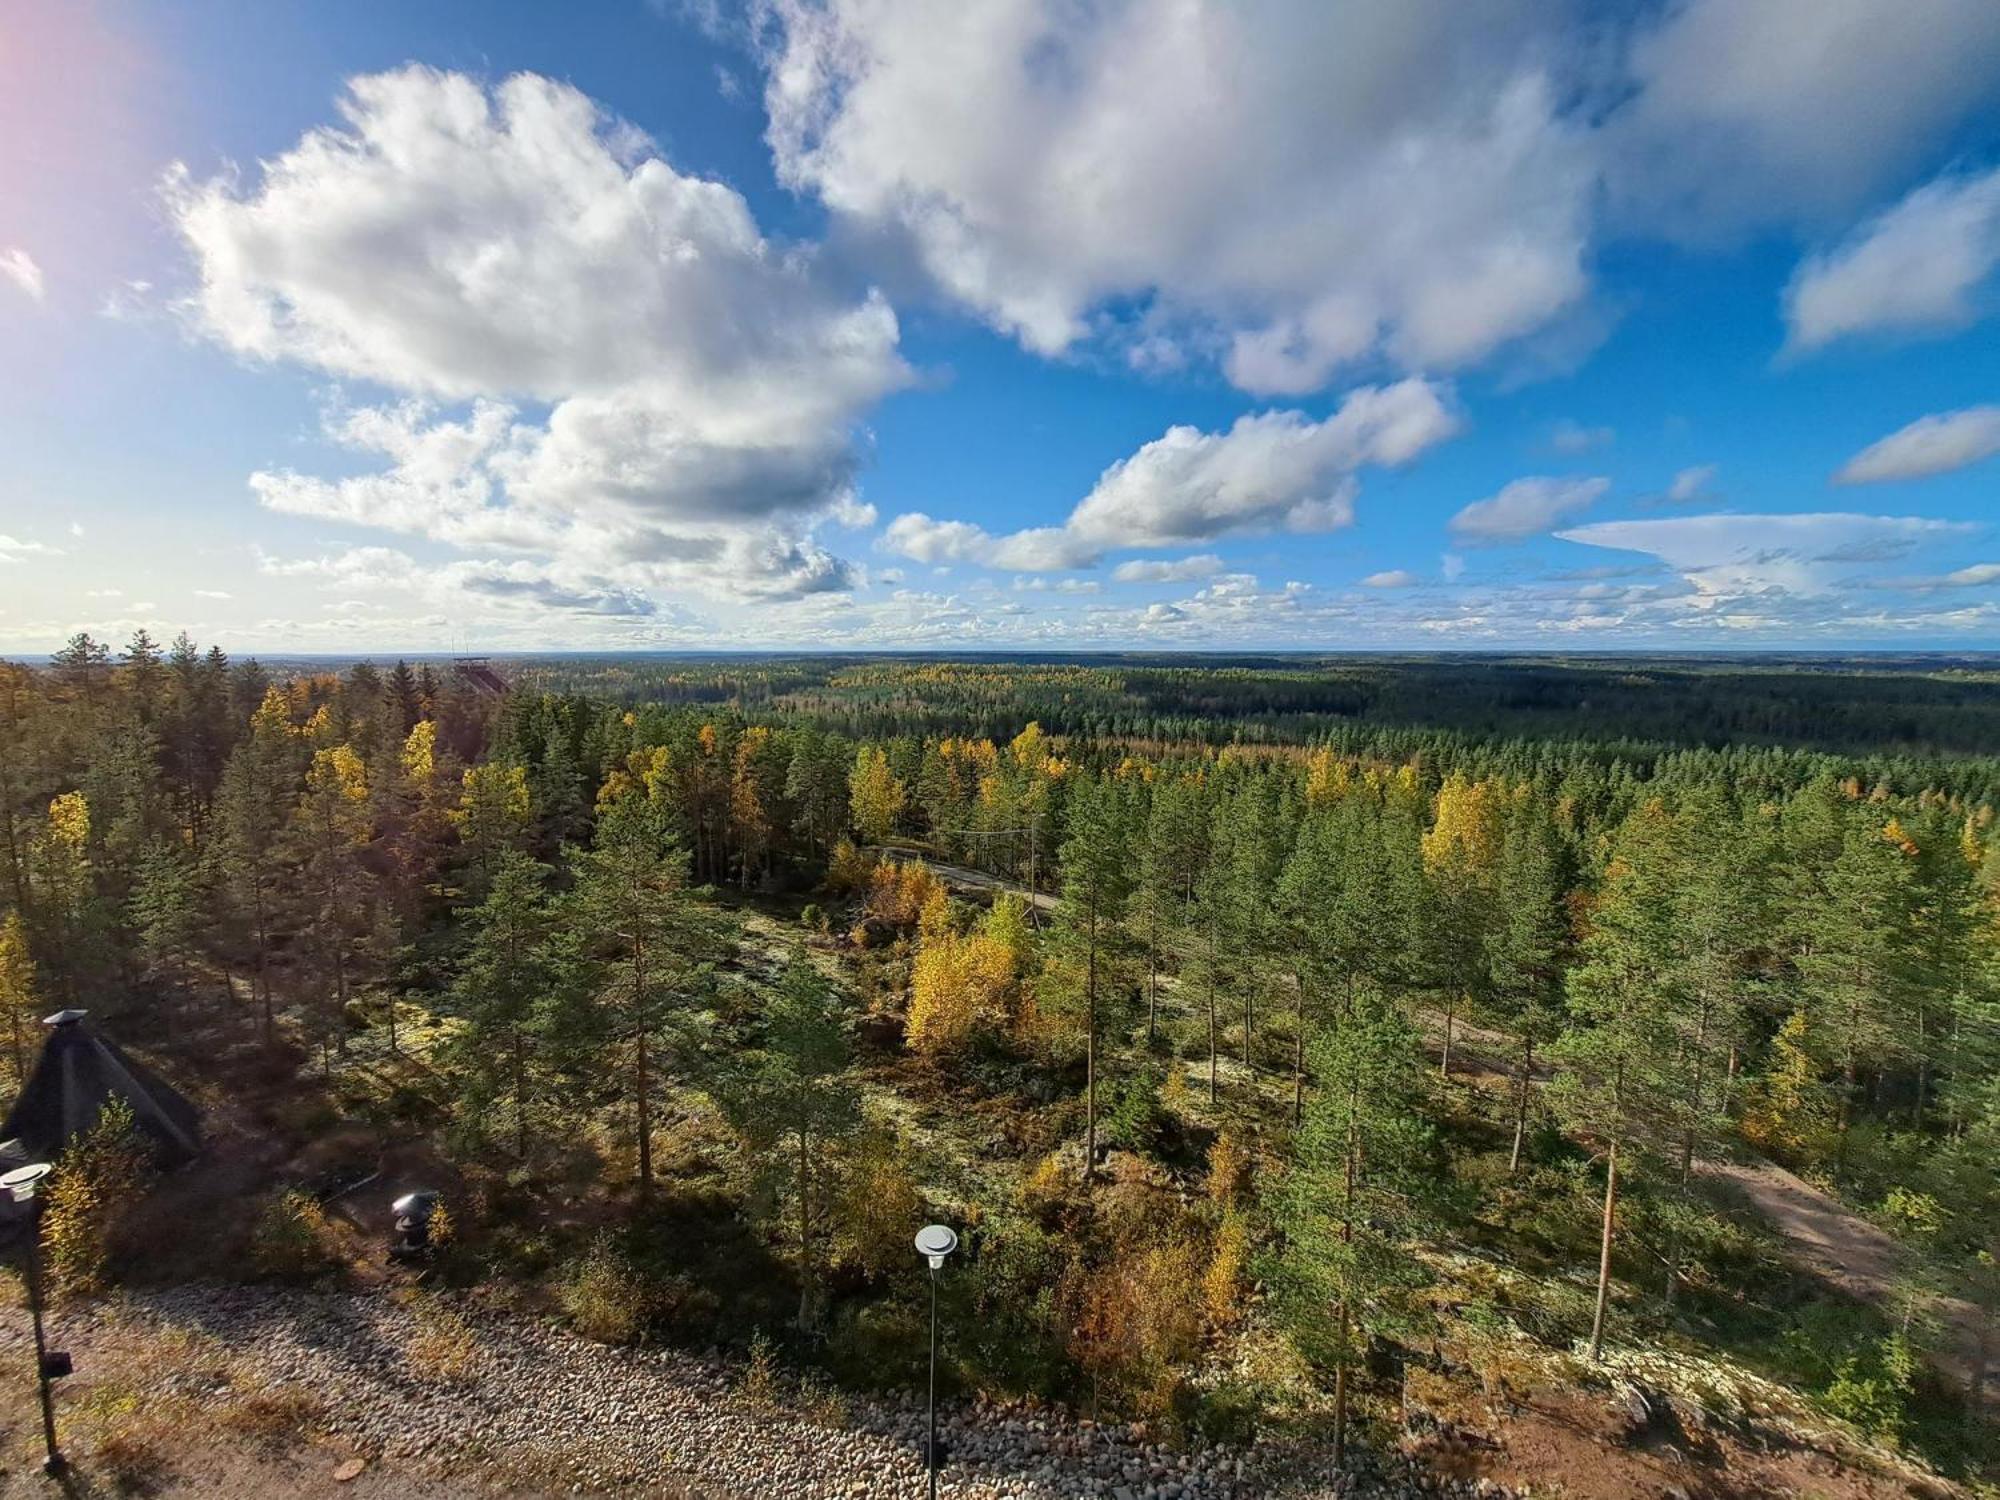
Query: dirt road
<point x="1858" y="1258"/>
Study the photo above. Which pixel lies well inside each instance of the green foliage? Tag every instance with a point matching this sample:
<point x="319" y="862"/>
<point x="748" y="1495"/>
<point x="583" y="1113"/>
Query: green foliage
<point x="791" y="1098"/>
<point x="98" y="1177"/>
<point x="603" y="1295"/>
<point x="1355" y="1197"/>
<point x="288" y="1240"/>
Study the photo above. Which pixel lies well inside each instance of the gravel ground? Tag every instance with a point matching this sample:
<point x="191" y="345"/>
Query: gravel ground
<point x="538" y="1405"/>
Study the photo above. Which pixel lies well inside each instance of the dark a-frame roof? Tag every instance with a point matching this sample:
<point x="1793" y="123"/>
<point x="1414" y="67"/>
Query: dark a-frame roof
<point x="78" y="1072"/>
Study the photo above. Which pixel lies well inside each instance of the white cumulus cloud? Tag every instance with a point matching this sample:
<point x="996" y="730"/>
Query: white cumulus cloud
<point x="1177" y="570"/>
<point x="1919" y="268"/>
<point x="1930" y="445"/>
<point x="1292" y="186"/>
<point x="1527" y="507"/>
<point x="483" y="250"/>
<point x="1276" y="470"/>
<point x="1692" y="484"/>
<point x="20" y="268"/>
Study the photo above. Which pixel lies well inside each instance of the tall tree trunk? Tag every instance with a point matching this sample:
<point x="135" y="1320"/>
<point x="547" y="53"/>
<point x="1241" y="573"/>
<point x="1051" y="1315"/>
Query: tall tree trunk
<point x="1340" y="1393"/>
<point x="642" y="1087"/>
<point x="805" y="1229"/>
<point x="263" y="954"/>
<point x="1521" y="1102"/>
<point x="643" y="1079"/>
<point x="1697" y="1088"/>
<point x="1923" y="1068"/>
<point x="1212" y="1040"/>
<point x="1090" y="1052"/>
<point x="1299" y="1062"/>
<point x="1350" y="1180"/>
<point x="520" y="1095"/>
<point x="1604" y="1252"/>
<point x="1450" y="1014"/>
<point x="1152" y="971"/>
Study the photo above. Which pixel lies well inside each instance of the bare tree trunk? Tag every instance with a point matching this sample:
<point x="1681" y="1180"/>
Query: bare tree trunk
<point x="805" y="1230"/>
<point x="1340" y="1394"/>
<point x="1604" y="1252"/>
<point x="642" y="1087"/>
<point x="1212" y="1088"/>
<point x="1450" y="1014"/>
<point x="1090" y="1054"/>
<point x="1152" y="972"/>
<point x="520" y="1096"/>
<point x="1521" y="1102"/>
<point x="1299" y="1064"/>
<point x="1350" y="1179"/>
<point x="642" y="1078"/>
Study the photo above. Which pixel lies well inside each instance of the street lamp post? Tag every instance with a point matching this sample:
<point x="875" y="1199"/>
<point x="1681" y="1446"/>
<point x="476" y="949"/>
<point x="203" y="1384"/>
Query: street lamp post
<point x="21" y="1184"/>
<point x="934" y="1243"/>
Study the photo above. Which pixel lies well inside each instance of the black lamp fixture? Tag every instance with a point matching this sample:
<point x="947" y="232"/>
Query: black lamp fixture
<point x="23" y="1184"/>
<point x="413" y="1213"/>
<point x="935" y="1242"/>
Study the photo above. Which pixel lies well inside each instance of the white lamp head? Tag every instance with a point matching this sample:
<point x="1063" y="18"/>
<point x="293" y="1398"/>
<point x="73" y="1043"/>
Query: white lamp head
<point x="22" y="1181"/>
<point x="935" y="1242"/>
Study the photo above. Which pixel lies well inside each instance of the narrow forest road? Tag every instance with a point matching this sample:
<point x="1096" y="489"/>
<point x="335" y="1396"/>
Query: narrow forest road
<point x="965" y="877"/>
<point x="1860" y="1259"/>
<point x="1826" y="1236"/>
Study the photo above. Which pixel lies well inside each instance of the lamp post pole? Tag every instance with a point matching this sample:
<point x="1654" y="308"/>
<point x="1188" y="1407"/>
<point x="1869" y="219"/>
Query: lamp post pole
<point x="55" y="1462"/>
<point x="934" y="1243"/>
<point x="21" y="1184"/>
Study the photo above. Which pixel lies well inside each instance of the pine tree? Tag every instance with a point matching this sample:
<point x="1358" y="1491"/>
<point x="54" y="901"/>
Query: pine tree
<point x="1461" y="852"/>
<point x="144" y="678"/>
<point x="495" y="815"/>
<point x="331" y="825"/>
<point x="1356" y="1194"/>
<point x="1529" y="947"/>
<point x="1856" y="963"/>
<point x="66" y="906"/>
<point x="1096" y="876"/>
<point x="1622" y="1083"/>
<point x="257" y="787"/>
<point x="792" y="1099"/>
<point x="165" y="914"/>
<point x="653" y="951"/>
<point x="1176" y="839"/>
<point x="505" y="970"/>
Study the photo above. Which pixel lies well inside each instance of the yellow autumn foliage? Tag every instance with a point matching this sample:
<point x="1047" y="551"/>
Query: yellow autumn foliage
<point x="69" y="821"/>
<point x="1464" y="835"/>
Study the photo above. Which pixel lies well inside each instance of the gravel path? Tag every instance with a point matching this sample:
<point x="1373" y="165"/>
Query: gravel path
<point x="1861" y="1259"/>
<point x="540" y="1404"/>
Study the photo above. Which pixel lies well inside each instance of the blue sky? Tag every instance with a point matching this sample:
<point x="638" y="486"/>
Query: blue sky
<point x="822" y="323"/>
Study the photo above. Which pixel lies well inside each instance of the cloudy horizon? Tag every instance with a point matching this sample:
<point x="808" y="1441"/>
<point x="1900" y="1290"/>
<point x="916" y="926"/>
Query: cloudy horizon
<point x="1288" y="326"/>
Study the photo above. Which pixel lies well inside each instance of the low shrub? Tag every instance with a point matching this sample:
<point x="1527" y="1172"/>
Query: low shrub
<point x="97" y="1178"/>
<point x="289" y="1240"/>
<point x="604" y="1295"/>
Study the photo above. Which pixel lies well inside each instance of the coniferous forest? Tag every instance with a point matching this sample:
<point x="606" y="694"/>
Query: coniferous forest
<point x="1332" y="1055"/>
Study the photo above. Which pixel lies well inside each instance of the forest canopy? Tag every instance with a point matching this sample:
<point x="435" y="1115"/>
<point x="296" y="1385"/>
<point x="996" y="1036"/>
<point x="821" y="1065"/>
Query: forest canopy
<point x="1391" y="1003"/>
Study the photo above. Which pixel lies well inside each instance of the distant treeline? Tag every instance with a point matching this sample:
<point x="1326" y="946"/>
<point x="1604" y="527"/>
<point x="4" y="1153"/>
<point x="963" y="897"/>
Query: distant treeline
<point x="1627" y="706"/>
